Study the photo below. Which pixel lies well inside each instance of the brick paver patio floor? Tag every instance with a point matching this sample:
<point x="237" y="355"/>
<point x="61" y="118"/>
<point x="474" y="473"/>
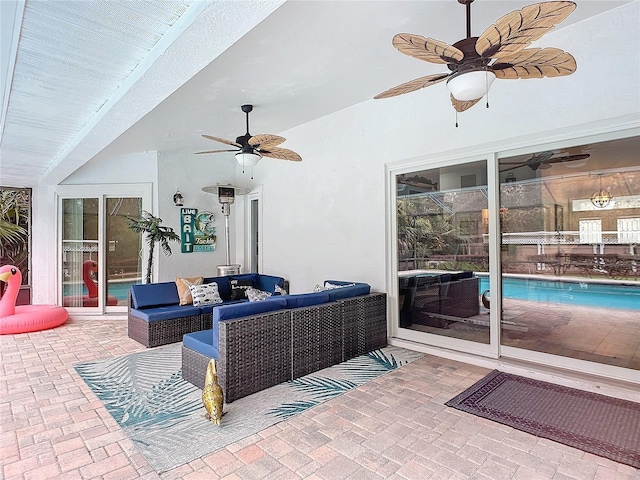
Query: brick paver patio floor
<point x="395" y="427"/>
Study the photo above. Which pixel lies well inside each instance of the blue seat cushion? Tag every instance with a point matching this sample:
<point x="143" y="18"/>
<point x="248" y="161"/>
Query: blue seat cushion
<point x="201" y="342"/>
<point x="347" y="292"/>
<point x="306" y="299"/>
<point x="155" y="314"/>
<point x="154" y="294"/>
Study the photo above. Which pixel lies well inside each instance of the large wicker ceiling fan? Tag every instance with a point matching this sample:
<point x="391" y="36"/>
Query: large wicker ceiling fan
<point x="500" y="52"/>
<point x="251" y="148"/>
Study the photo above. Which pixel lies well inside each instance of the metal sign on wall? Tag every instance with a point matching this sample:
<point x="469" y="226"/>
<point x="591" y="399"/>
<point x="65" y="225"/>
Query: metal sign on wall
<point x="197" y="233"/>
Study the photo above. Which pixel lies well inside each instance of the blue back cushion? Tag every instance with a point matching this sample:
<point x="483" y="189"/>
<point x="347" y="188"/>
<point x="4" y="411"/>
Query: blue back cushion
<point x="267" y="283"/>
<point x="306" y="299"/>
<point x="244" y="309"/>
<point x="347" y="292"/>
<point x="154" y="295"/>
<point x="223" y="286"/>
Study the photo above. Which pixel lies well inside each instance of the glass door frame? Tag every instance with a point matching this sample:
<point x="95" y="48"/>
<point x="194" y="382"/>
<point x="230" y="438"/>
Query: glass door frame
<point x="458" y="348"/>
<point x="547" y="359"/>
<point x="492" y="349"/>
<point x="102" y="192"/>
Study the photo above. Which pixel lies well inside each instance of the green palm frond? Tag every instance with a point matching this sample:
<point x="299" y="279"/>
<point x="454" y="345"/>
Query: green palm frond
<point x="322" y="388"/>
<point x="389" y="362"/>
<point x="287" y="410"/>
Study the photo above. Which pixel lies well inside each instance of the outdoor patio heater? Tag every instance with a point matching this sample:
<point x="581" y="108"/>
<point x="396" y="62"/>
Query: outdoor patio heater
<point x="226" y="196"/>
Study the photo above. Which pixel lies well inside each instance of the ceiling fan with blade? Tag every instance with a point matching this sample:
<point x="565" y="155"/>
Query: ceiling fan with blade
<point x="543" y="160"/>
<point x="251" y="148"/>
<point x="500" y="52"/>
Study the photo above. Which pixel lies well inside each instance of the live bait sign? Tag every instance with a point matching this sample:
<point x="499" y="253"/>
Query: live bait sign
<point x="197" y="233"/>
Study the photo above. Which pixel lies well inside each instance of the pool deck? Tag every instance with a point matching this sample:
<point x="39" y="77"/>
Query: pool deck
<point x="596" y="334"/>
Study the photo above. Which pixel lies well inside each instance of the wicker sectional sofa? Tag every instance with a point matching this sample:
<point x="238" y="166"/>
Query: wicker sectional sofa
<point x="261" y="344"/>
<point x="155" y="316"/>
<point x="436" y="299"/>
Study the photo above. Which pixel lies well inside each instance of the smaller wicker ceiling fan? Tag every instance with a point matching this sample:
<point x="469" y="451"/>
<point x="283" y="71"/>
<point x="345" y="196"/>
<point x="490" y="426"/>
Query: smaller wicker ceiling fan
<point x="251" y="148"/>
<point x="544" y="160"/>
<point x="500" y="52"/>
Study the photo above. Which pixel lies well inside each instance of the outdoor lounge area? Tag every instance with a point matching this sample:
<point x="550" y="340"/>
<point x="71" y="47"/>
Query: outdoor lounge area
<point x="277" y="144"/>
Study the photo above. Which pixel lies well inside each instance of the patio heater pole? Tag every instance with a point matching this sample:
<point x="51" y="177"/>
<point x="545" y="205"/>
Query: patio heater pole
<point x="226" y="210"/>
<point x="226" y="196"/>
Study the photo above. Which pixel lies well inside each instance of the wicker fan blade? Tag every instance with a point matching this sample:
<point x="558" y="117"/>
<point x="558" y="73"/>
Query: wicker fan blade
<point x="516" y="30"/>
<point x="461" y="106"/>
<point x="426" y="49"/>
<point x="535" y="63"/>
<point x="413" y="85"/>
<point x="545" y="166"/>
<point x="217" y="151"/>
<point x="512" y="168"/>
<point x="222" y="140"/>
<point x="281" y="154"/>
<point x="266" y="141"/>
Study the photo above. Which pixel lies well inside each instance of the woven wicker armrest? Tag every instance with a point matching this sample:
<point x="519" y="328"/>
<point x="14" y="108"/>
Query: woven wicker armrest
<point x="255" y="353"/>
<point x="364" y="324"/>
<point x="316" y="338"/>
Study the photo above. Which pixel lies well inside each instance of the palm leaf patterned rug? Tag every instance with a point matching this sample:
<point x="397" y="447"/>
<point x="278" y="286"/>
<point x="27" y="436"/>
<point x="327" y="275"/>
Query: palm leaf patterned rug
<point x="163" y="415"/>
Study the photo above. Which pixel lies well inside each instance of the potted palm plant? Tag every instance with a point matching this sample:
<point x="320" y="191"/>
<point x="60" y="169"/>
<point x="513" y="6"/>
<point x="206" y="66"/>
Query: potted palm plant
<point x="150" y="226"/>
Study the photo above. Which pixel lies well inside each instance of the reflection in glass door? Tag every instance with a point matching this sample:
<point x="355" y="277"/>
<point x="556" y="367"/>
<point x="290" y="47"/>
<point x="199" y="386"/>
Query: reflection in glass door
<point x="569" y="257"/>
<point x="79" y="252"/>
<point x="443" y="251"/>
<point x="123" y="246"/>
<point x="100" y="254"/>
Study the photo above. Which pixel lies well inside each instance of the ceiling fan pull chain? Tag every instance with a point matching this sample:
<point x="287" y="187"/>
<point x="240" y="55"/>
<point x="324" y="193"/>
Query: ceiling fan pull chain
<point x="456" y="118"/>
<point x="486" y="81"/>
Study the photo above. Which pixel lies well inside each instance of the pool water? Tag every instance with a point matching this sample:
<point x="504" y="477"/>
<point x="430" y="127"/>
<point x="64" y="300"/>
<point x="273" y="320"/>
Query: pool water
<point x="625" y="297"/>
<point x="117" y="289"/>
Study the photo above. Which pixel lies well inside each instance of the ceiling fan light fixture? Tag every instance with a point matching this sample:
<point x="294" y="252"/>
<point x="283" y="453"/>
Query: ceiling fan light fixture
<point x="470" y="85"/>
<point x="247" y="159"/>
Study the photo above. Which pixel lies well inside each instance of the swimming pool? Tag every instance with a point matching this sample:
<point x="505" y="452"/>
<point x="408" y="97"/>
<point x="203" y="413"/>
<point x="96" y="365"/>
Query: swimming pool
<point x="118" y="289"/>
<point x="588" y="294"/>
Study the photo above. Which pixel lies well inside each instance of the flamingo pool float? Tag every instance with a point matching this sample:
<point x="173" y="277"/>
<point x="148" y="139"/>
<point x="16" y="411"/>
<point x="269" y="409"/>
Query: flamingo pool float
<point x="91" y="299"/>
<point x="25" y="318"/>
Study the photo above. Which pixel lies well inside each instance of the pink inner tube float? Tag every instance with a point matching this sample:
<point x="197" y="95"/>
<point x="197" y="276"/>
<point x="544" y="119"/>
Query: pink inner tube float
<point x="91" y="299"/>
<point x="25" y="318"/>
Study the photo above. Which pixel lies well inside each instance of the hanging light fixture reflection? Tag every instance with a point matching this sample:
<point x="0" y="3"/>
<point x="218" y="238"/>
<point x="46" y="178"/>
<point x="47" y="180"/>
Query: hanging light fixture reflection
<point x="601" y="198"/>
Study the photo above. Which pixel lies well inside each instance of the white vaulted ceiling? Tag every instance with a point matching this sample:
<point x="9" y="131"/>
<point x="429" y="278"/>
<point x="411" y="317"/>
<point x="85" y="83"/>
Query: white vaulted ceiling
<point x="93" y="77"/>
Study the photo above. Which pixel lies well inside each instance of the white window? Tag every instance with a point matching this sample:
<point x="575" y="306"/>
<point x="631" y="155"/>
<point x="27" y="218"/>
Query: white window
<point x="629" y="230"/>
<point x="591" y="231"/>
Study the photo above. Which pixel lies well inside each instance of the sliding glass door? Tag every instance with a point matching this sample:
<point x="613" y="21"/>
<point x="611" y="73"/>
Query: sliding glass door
<point x="570" y="229"/>
<point x="100" y="256"/>
<point x="443" y="252"/>
<point x="531" y="255"/>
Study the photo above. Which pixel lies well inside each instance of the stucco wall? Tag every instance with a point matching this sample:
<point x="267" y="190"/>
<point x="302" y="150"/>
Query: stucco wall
<point x="325" y="218"/>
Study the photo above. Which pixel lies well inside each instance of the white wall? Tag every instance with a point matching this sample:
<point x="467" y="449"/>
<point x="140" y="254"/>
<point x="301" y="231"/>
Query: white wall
<point x="190" y="173"/>
<point x="325" y="217"/>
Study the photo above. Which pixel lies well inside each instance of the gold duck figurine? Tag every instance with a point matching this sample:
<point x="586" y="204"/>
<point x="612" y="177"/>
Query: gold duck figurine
<point x="212" y="395"/>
